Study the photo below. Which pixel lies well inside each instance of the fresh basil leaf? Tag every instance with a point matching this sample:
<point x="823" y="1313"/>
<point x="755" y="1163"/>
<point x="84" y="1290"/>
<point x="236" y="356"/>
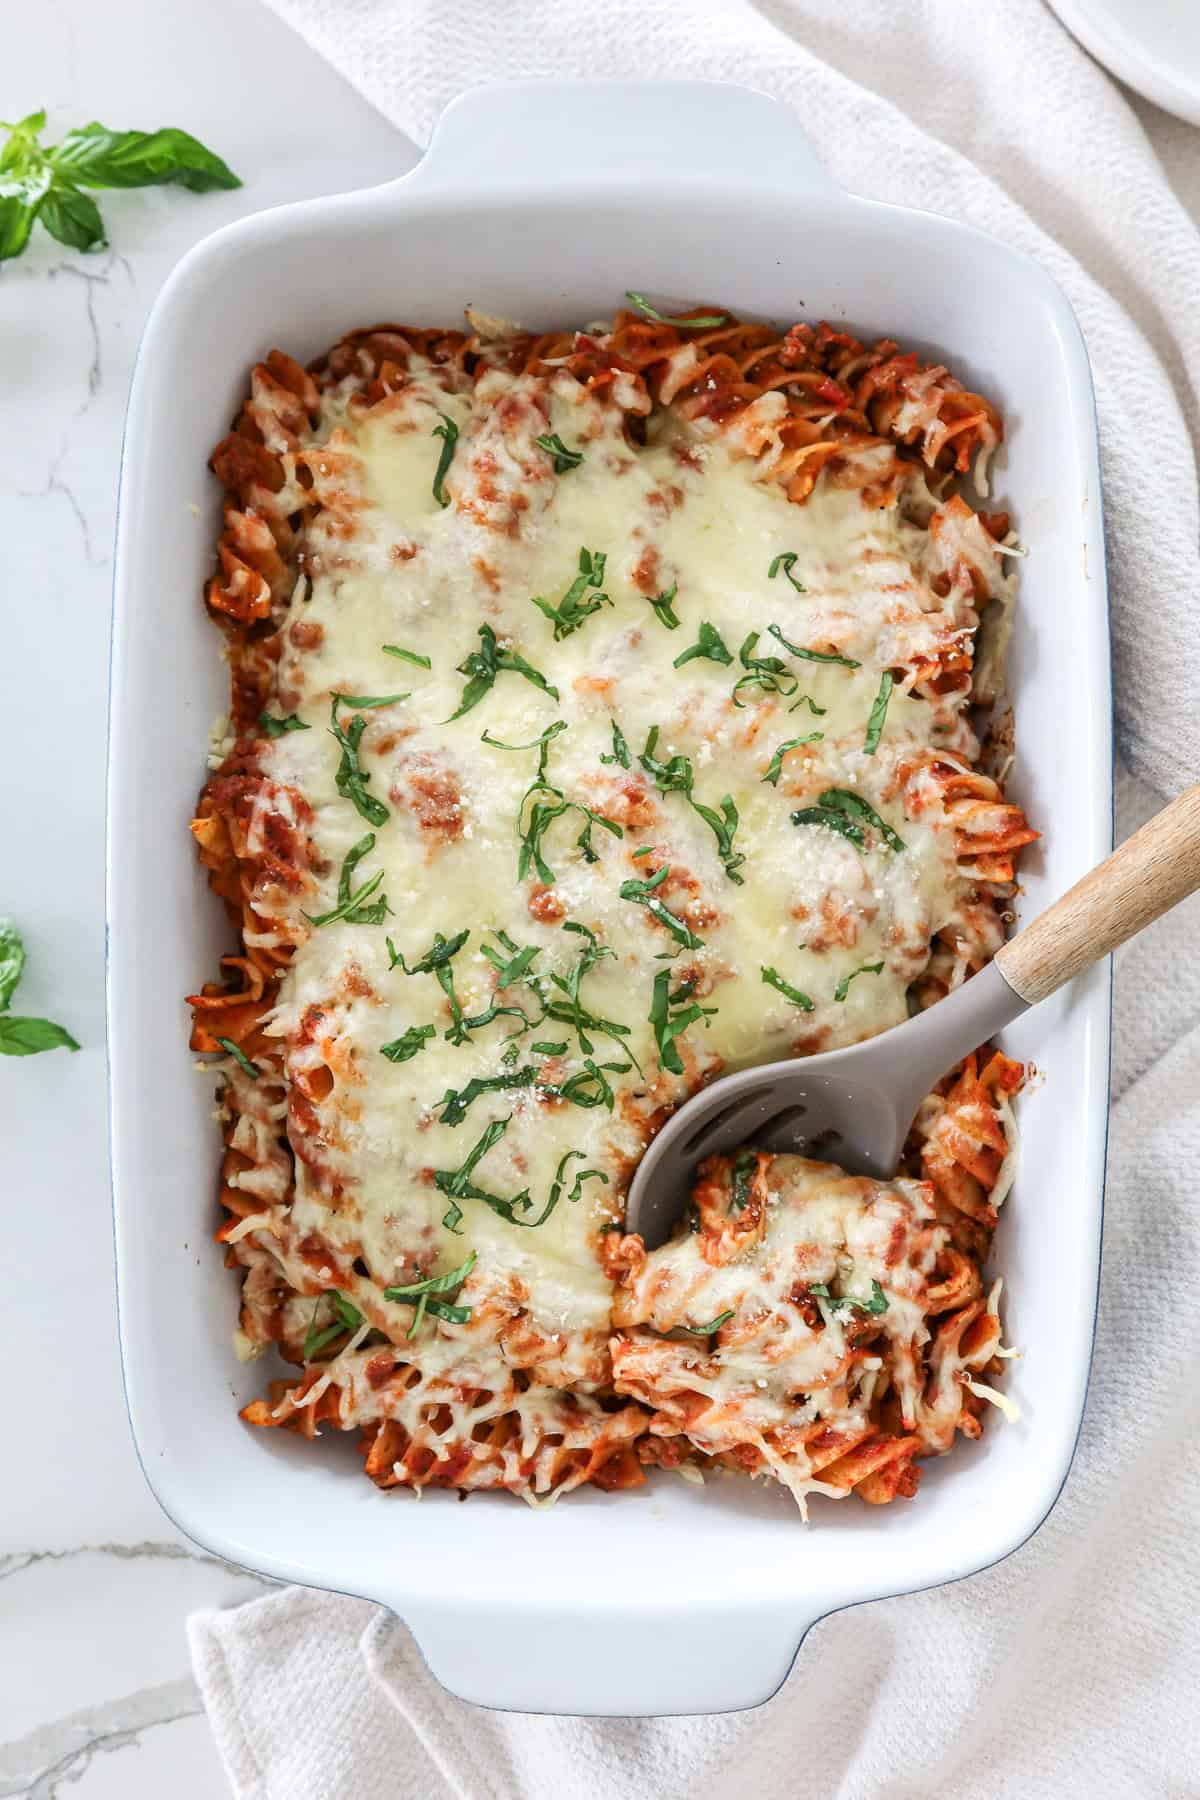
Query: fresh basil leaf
<point x="239" y="1056"/>
<point x="98" y="157"/>
<point x="12" y="962"/>
<point x="700" y="322"/>
<point x="709" y="644"/>
<point x="775" y="770"/>
<point x="843" y="986"/>
<point x="448" y="432"/>
<point x="878" y="714"/>
<point x="436" y="957"/>
<point x="483" y="666"/>
<point x="274" y="727"/>
<point x="404" y="1048"/>
<point x="17" y="217"/>
<point x="774" y="979"/>
<point x="27" y="1037"/>
<point x="563" y="458"/>
<point x="73" y="218"/>
<point x="408" y="656"/>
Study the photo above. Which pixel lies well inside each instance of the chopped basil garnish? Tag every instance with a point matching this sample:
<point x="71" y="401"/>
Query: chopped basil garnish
<point x="577" y="604"/>
<point x="436" y="957"/>
<point x="537" y="743"/>
<point x="878" y="713"/>
<point x="346" y="1318"/>
<point x="620" y="749"/>
<point x="843" y="800"/>
<point x="549" y="1047"/>
<point x="644" y="850"/>
<point x="709" y="644"/>
<point x="876" y="1304"/>
<point x="770" y="673"/>
<point x="571" y="1010"/>
<point x="563" y="458"/>
<point x="807" y="700"/>
<point x="642" y="893"/>
<point x="588" y="1087"/>
<point x="350" y="781"/>
<point x="482" y="666"/>
<point x="819" y="656"/>
<point x="677" y="776"/>
<point x="275" y="728"/>
<point x="425" y="1292"/>
<point x="456" y="1103"/>
<point x="670" y="1015"/>
<point x="713" y="1324"/>
<point x="775" y="769"/>
<point x="840" y="810"/>
<point x="774" y="979"/>
<point x="448" y="432"/>
<point x="458" y="1185"/>
<point x="533" y="822"/>
<point x="408" y="656"/>
<point x="701" y="322"/>
<point x="403" y="1049"/>
<point x="843" y="986"/>
<point x="745" y="1168"/>
<point x="664" y="611"/>
<point x="239" y="1056"/>
<point x="786" y="560"/>
<point x="511" y="963"/>
<point x="350" y="906"/>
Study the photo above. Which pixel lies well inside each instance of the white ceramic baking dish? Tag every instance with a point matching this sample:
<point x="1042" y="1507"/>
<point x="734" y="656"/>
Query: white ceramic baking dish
<point x="542" y="203"/>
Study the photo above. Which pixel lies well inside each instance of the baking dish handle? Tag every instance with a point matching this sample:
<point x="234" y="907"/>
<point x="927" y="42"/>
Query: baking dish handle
<point x="550" y="135"/>
<point x="644" y="1665"/>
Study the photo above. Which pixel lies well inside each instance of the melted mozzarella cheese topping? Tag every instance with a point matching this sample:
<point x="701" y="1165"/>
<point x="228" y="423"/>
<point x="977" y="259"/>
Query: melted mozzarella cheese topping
<point x="685" y="514"/>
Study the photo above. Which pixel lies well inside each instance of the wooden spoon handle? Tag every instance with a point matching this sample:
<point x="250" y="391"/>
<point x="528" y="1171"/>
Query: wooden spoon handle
<point x="1144" y="877"/>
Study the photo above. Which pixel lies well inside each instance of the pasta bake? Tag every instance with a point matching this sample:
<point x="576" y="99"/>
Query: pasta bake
<point x="607" y="714"/>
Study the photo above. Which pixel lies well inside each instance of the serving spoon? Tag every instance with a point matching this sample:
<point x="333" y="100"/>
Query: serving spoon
<point x="856" y="1105"/>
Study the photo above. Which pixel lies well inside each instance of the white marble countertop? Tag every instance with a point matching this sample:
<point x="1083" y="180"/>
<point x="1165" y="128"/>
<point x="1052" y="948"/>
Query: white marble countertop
<point x="96" y="1697"/>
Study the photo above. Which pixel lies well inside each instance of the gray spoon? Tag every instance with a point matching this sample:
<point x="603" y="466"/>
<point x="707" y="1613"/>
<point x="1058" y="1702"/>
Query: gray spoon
<point x="855" y="1106"/>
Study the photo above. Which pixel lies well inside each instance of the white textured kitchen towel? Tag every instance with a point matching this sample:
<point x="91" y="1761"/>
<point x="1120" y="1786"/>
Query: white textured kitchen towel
<point x="1072" y="1668"/>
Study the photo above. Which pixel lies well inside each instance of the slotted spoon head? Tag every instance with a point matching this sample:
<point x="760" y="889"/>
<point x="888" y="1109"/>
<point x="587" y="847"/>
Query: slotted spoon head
<point x="852" y="1107"/>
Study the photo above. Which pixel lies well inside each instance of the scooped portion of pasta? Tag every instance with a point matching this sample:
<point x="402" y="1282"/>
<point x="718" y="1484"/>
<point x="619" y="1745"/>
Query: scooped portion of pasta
<point x="807" y="1324"/>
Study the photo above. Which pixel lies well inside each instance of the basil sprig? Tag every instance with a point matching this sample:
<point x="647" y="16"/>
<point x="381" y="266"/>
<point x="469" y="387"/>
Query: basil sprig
<point x="45" y="182"/>
<point x="483" y="666"/>
<point x="698" y="322"/>
<point x="23" y="1037"/>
